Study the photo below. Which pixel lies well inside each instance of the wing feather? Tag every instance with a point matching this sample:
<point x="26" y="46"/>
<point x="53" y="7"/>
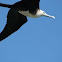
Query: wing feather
<point x="14" y="22"/>
<point x="32" y="3"/>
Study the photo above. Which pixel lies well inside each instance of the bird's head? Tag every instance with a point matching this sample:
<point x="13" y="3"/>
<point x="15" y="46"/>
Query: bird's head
<point x="42" y="13"/>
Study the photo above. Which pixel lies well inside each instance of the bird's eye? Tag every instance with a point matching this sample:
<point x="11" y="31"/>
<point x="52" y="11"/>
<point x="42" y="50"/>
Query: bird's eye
<point x="43" y="12"/>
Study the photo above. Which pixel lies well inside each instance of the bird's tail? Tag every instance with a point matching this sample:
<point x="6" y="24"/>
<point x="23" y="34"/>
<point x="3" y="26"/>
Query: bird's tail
<point x="6" y="5"/>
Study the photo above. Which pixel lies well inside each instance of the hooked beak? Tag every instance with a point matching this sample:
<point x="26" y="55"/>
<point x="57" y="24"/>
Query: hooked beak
<point x="49" y="16"/>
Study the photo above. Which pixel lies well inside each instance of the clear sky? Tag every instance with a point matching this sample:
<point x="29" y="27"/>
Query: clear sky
<point x="39" y="40"/>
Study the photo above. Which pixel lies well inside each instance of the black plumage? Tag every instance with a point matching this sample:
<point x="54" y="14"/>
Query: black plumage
<point x="14" y="19"/>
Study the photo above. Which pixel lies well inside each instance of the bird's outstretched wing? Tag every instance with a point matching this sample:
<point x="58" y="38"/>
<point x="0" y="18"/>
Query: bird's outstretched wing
<point x="31" y="0"/>
<point x="32" y="3"/>
<point x="14" y="22"/>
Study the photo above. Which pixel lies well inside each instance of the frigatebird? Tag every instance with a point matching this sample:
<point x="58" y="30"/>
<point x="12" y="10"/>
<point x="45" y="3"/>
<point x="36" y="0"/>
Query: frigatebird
<point x="17" y="15"/>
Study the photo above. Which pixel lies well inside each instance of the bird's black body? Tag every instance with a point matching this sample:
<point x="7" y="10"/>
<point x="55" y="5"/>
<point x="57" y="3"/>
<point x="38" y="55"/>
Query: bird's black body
<point x="14" y="19"/>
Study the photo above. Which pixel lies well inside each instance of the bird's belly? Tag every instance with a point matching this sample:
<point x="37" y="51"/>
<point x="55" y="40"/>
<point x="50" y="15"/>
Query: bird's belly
<point x="27" y="13"/>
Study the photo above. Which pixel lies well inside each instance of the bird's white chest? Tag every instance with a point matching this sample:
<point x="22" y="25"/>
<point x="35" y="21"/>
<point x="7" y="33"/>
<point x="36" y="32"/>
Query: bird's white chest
<point x="27" y="13"/>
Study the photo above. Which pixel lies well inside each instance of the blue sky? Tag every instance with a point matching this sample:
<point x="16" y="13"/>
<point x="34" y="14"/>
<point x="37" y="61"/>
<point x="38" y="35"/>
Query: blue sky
<point x="39" y="40"/>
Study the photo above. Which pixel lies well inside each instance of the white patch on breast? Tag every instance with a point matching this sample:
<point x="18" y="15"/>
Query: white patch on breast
<point x="27" y="13"/>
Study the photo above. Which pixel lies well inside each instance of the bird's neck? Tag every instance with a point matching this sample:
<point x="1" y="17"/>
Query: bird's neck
<point x="39" y="13"/>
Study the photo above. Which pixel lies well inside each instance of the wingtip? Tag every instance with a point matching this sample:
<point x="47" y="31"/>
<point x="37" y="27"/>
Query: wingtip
<point x="1" y="40"/>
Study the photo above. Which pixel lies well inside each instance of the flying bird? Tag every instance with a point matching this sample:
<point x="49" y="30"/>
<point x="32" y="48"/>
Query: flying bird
<point x="17" y="15"/>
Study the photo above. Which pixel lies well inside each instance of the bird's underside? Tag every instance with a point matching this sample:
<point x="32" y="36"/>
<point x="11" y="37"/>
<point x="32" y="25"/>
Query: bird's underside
<point x="14" y="19"/>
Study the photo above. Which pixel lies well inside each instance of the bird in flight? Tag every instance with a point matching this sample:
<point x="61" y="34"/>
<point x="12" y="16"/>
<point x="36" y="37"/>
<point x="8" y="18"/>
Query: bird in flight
<point x="17" y="15"/>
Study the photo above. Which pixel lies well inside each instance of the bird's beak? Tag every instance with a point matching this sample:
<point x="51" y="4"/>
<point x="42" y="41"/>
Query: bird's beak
<point x="49" y="16"/>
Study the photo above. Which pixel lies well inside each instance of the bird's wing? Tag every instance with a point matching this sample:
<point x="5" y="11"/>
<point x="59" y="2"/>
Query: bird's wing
<point x="14" y="22"/>
<point x="31" y="0"/>
<point x="32" y="3"/>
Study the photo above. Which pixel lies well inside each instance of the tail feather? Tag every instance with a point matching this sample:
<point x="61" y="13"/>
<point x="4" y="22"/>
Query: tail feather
<point x="6" y="5"/>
